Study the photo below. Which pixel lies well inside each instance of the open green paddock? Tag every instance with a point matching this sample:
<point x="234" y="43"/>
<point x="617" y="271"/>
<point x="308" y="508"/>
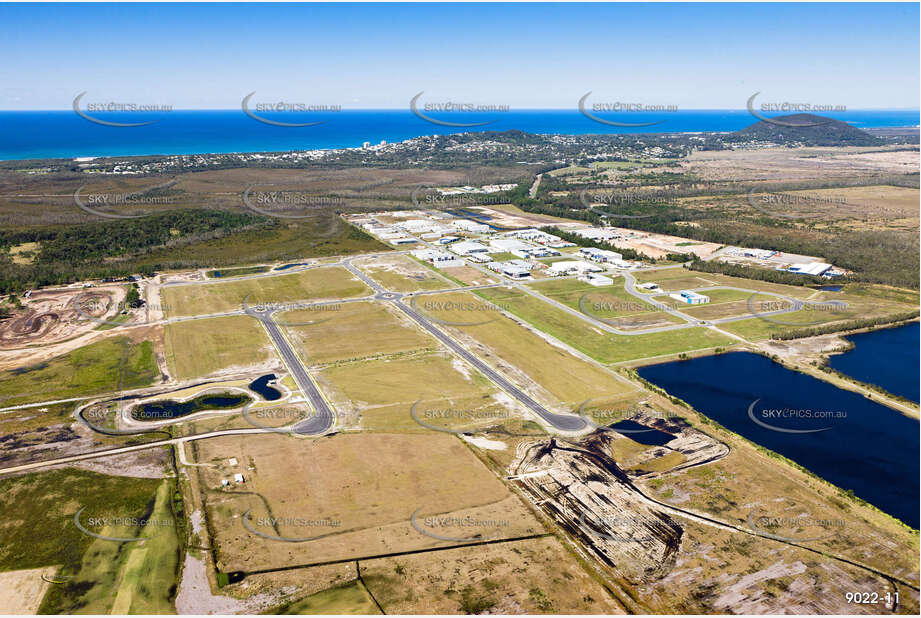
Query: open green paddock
<point x="325" y="283"/>
<point x="603" y="346"/>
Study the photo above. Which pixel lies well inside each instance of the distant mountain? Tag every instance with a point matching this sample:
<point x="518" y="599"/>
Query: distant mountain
<point x="807" y="129"/>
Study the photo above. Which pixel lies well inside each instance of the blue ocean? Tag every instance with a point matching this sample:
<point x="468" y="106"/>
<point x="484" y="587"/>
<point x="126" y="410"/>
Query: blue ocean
<point x="64" y="134"/>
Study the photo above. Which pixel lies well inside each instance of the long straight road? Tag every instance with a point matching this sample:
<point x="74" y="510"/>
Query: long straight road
<point x="563" y="422"/>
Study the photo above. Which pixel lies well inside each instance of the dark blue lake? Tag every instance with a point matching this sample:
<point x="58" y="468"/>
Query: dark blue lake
<point x="261" y="385"/>
<point x="887" y="358"/>
<point x="168" y="408"/>
<point x="852" y="442"/>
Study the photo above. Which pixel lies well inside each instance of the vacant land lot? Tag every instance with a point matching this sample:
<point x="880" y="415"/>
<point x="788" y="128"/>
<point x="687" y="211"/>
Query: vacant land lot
<point x="21" y="592"/>
<point x="326" y="283"/>
<point x="728" y="303"/>
<point x="383" y="391"/>
<point x="785" y="164"/>
<point x="356" y="492"/>
<point x="203" y="347"/>
<point x="610" y="303"/>
<point x="614" y="301"/>
<point x="38" y="531"/>
<point x="349" y="600"/>
<point x="675" y="279"/>
<point x="353" y="331"/>
<point x="524" y="355"/>
<point x="534" y="576"/>
<point x="624" y="348"/>
<point x="744" y="574"/>
<point x="823" y="308"/>
<point x="748" y="485"/>
<point x="669" y="280"/>
<point x="468" y="275"/>
<point x="600" y="345"/>
<point x="400" y="273"/>
<point x="109" y="365"/>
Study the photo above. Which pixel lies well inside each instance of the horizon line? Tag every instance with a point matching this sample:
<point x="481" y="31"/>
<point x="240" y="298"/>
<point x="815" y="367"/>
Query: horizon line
<point x="513" y="109"/>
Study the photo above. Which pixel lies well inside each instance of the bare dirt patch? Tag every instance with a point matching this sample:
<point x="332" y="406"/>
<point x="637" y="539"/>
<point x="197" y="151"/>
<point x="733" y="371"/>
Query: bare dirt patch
<point x="352" y="495"/>
<point x="591" y="498"/>
<point x="534" y="576"/>
<point x="21" y="592"/>
<point x="50" y="316"/>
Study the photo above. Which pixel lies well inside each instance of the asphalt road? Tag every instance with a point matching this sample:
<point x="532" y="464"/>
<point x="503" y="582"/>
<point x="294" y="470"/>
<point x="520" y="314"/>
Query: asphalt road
<point x="563" y="422"/>
<point x="323" y="417"/>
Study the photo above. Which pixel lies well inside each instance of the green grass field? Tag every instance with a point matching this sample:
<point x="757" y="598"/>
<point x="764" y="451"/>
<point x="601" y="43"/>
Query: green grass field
<point x="353" y="331"/>
<point x="348" y="600"/>
<point x="150" y="570"/>
<point x="759" y="329"/>
<point x="824" y="308"/>
<point x="623" y="348"/>
<point x="600" y="345"/>
<point x="567" y="378"/>
<point x="38" y="530"/>
<point x="315" y="284"/>
<point x="606" y="302"/>
<point x="109" y="365"/>
<point x="198" y="348"/>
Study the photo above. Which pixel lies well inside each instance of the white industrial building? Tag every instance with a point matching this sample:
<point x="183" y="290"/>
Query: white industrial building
<point x="570" y="267"/>
<point x="690" y="298"/>
<point x="442" y="259"/>
<point x="596" y="280"/>
<point x="811" y="268"/>
<point x="468" y="247"/>
<point x="417" y="226"/>
<point x="471" y="227"/>
<point x="538" y="236"/>
<point x="597" y="233"/>
<point x="513" y="269"/>
<point x="600" y="255"/>
<point x="535" y="252"/>
<point x="507" y="245"/>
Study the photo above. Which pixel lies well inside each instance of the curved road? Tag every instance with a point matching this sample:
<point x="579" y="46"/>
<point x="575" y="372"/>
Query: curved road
<point x="323" y="417"/>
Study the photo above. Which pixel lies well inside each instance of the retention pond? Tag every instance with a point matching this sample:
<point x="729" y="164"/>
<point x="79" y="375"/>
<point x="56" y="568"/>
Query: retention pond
<point x="842" y="436"/>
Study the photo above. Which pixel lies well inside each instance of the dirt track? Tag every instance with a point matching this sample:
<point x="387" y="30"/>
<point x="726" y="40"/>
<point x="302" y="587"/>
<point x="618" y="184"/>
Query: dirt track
<point x="52" y="316"/>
